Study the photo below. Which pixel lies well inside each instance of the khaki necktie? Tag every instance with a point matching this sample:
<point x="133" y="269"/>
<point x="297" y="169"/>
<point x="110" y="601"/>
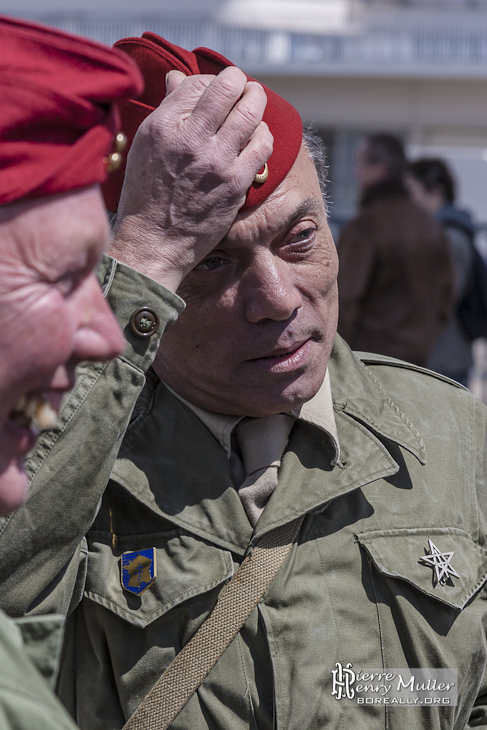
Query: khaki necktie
<point x="262" y="442"/>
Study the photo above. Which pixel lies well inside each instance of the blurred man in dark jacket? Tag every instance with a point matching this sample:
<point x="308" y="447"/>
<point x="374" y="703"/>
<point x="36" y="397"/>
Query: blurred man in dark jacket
<point x="395" y="281"/>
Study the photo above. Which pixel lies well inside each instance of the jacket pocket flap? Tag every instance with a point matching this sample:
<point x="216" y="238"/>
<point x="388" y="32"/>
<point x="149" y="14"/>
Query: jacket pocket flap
<point x="185" y="567"/>
<point x="413" y="554"/>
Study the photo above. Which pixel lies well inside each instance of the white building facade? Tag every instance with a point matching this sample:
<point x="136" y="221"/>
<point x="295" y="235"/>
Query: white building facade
<point x="414" y="67"/>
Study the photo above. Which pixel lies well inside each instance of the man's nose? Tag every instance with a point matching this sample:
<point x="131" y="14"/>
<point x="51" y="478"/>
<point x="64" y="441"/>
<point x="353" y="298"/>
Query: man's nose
<point x="272" y="292"/>
<point x="98" y="337"/>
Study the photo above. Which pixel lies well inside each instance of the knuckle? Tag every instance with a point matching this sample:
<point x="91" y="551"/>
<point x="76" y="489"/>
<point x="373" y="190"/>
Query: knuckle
<point x="239" y="182"/>
<point x="262" y="143"/>
<point x="255" y="95"/>
<point x="156" y="121"/>
<point x="250" y="113"/>
<point x="229" y="84"/>
<point x="257" y="89"/>
<point x="267" y="142"/>
<point x="149" y="128"/>
<point x="222" y="174"/>
<point x="199" y="82"/>
<point x="233" y="72"/>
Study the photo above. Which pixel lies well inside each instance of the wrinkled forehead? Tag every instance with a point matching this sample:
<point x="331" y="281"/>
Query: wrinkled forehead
<point x="73" y="223"/>
<point x="297" y="195"/>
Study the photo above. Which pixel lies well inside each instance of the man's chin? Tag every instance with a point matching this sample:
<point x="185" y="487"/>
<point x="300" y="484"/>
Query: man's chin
<point x="13" y="486"/>
<point x="266" y="402"/>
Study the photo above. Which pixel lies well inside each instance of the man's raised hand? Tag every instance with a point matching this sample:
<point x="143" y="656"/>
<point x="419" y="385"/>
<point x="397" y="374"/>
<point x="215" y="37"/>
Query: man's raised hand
<point x="188" y="171"/>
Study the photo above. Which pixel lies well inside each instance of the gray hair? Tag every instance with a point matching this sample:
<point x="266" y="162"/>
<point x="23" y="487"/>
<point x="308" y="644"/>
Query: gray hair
<point x="317" y="151"/>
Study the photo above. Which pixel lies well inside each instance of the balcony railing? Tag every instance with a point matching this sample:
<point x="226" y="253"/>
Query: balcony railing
<point x="438" y="4"/>
<point x="382" y="51"/>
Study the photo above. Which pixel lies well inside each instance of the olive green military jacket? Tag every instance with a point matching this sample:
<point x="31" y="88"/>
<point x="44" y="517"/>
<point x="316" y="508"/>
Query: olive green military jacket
<point x="353" y="590"/>
<point x="29" y="655"/>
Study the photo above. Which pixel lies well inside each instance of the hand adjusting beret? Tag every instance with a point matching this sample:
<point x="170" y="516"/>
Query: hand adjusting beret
<point x="156" y="57"/>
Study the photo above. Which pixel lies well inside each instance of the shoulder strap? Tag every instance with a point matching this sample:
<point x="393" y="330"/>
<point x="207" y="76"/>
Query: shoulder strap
<point x="234" y="605"/>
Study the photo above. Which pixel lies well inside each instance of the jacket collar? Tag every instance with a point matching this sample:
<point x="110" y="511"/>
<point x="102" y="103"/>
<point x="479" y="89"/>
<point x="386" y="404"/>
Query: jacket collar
<point x="318" y="411"/>
<point x="187" y="481"/>
<point x="359" y="394"/>
<point x="364" y="413"/>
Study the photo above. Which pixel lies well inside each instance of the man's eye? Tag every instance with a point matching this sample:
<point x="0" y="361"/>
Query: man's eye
<point x="305" y="235"/>
<point x="212" y="263"/>
<point x="70" y="282"/>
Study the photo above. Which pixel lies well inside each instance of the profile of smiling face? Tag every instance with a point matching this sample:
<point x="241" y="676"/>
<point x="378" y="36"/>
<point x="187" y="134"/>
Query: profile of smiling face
<point x="261" y="308"/>
<point x="52" y="315"/>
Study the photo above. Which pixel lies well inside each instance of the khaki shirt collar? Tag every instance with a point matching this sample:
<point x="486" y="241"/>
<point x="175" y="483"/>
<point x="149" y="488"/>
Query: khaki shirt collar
<point x="318" y="412"/>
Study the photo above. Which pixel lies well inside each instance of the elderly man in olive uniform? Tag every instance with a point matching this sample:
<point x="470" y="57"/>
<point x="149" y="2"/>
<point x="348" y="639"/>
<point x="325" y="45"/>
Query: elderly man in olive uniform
<point x="253" y="416"/>
<point x="53" y="230"/>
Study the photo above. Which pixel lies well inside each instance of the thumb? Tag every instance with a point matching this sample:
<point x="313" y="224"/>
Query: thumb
<point x="173" y="79"/>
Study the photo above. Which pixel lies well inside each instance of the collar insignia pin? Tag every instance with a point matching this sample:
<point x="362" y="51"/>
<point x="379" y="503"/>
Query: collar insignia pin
<point x="138" y="570"/>
<point x="443" y="571"/>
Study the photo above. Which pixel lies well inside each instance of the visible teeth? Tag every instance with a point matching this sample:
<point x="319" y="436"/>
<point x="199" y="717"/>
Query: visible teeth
<point x="35" y="406"/>
<point x="45" y="415"/>
<point x="32" y="406"/>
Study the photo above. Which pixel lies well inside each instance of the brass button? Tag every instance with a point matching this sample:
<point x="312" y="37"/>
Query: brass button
<point x="114" y="160"/>
<point x="144" y="322"/>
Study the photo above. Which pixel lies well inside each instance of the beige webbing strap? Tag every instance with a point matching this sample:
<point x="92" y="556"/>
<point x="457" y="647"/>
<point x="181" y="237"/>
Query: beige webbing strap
<point x="234" y="605"/>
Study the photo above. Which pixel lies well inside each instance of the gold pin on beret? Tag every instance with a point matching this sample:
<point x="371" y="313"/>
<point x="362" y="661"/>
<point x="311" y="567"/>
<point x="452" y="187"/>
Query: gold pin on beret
<point x="115" y="158"/>
<point x="261" y="177"/>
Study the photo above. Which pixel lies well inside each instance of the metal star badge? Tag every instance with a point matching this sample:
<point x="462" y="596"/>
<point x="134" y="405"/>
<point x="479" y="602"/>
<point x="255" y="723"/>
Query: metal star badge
<point x="441" y="564"/>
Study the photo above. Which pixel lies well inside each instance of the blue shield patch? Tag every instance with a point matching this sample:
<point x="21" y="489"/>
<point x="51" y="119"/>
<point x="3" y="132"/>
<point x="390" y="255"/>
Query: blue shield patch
<point x="138" y="570"/>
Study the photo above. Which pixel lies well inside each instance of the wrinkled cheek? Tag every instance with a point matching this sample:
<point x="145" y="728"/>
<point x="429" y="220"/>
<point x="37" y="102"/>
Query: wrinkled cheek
<point x="332" y="319"/>
<point x="326" y="314"/>
<point x="198" y="349"/>
<point x="331" y="295"/>
<point x="334" y="301"/>
<point x="210" y="350"/>
<point x="13" y="484"/>
<point x="327" y="299"/>
<point x="36" y="349"/>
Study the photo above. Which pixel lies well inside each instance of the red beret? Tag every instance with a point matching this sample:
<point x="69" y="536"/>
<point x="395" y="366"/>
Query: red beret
<point x="155" y="58"/>
<point x="57" y="114"/>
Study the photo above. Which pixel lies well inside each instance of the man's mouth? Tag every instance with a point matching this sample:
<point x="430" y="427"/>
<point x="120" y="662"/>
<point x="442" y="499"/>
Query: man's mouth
<point x="34" y="407"/>
<point x="279" y="352"/>
<point x="285" y="359"/>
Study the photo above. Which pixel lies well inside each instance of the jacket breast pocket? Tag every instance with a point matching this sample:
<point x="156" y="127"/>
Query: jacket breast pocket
<point x="185" y="567"/>
<point x="429" y="587"/>
<point x="444" y="564"/>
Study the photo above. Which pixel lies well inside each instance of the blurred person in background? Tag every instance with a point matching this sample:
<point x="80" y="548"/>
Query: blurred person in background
<point x="395" y="281"/>
<point x="432" y="185"/>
